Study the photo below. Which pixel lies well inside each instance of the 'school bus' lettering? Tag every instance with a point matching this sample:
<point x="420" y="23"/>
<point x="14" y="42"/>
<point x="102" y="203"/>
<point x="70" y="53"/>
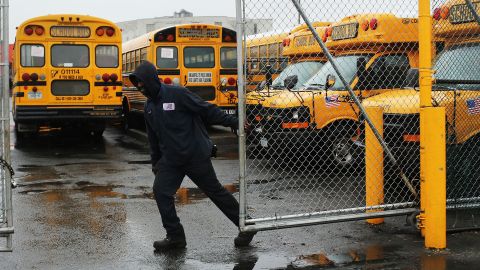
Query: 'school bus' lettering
<point x="70" y="31"/>
<point x="198" y="33"/>
<point x="461" y="13"/>
<point x="345" y="31"/>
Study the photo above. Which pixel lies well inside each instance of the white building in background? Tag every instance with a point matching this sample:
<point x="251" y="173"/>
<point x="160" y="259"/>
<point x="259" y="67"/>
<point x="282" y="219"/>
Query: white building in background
<point x="135" y="28"/>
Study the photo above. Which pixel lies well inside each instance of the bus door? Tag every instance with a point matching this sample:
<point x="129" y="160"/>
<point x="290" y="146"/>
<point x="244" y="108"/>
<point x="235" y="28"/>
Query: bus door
<point x="71" y="73"/>
<point x="200" y="74"/>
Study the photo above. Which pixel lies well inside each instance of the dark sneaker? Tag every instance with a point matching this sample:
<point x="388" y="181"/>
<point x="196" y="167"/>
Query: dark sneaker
<point x="170" y="243"/>
<point x="244" y="238"/>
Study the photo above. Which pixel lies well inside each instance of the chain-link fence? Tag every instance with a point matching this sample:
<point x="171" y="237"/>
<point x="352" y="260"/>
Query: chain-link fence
<point x="6" y="217"/>
<point x="457" y="28"/>
<point x="310" y="154"/>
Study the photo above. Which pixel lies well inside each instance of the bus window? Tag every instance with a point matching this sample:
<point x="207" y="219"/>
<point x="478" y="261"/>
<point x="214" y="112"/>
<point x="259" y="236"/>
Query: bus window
<point x="143" y="55"/>
<point x="70" y="56"/>
<point x="273" y="55"/>
<point x="167" y="57"/>
<point x="228" y="57"/>
<point x="263" y="51"/>
<point x="388" y="71"/>
<point x="137" y="58"/>
<point x="32" y="55"/>
<point x="347" y="65"/>
<point x="131" y="55"/>
<point x="452" y="64"/>
<point x="124" y="62"/>
<point x="199" y="57"/>
<point x="106" y="56"/>
<point x="303" y="70"/>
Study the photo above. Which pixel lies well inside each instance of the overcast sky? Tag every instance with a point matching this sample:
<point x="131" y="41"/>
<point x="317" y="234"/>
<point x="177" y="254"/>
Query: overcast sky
<point x="116" y="10"/>
<point x="282" y="12"/>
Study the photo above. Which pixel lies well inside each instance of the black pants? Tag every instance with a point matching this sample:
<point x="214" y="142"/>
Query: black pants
<point x="168" y="180"/>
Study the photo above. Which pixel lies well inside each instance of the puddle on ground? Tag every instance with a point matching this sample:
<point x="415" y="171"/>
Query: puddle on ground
<point x="372" y="255"/>
<point x="37" y="173"/>
<point x="184" y="196"/>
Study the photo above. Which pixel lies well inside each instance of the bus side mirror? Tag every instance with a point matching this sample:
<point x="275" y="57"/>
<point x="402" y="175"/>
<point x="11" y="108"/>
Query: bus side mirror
<point x="330" y="81"/>
<point x="268" y="75"/>
<point x="290" y="81"/>
<point x="261" y="86"/>
<point x="362" y="73"/>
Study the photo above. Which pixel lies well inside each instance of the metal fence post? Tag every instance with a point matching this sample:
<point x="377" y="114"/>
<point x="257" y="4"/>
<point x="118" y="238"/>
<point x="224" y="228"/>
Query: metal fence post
<point x="374" y="193"/>
<point x="241" y="112"/>
<point x="432" y="143"/>
<point x="5" y="119"/>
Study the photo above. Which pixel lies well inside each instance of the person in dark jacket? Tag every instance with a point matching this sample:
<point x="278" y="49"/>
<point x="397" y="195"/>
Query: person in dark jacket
<point x="176" y="122"/>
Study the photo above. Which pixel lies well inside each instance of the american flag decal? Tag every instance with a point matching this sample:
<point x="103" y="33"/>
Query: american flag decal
<point x="473" y="105"/>
<point x="332" y="101"/>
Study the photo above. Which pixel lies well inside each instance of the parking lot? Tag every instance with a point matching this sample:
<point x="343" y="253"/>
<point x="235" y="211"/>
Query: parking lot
<point x="84" y="203"/>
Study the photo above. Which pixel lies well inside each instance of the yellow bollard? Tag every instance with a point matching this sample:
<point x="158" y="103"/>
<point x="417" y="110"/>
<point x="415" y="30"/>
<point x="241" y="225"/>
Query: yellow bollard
<point x="374" y="163"/>
<point x="433" y="176"/>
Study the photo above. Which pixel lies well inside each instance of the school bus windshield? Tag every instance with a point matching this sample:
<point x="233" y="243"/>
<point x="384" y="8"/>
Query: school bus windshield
<point x="347" y="65"/>
<point x="459" y="63"/>
<point x="303" y="70"/>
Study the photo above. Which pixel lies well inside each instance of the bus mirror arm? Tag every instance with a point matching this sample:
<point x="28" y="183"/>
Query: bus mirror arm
<point x="268" y="75"/>
<point x="185" y="81"/>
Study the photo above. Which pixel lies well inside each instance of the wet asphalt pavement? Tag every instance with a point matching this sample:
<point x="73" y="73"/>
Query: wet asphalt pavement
<point x="83" y="203"/>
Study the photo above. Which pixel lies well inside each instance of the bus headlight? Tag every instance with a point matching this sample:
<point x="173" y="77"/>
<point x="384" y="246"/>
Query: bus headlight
<point x="176" y="81"/>
<point x="223" y="81"/>
<point x="295" y="115"/>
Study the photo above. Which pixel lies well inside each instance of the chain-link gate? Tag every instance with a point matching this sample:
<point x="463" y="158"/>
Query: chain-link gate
<point x="457" y="84"/>
<point x="310" y="154"/>
<point x="6" y="172"/>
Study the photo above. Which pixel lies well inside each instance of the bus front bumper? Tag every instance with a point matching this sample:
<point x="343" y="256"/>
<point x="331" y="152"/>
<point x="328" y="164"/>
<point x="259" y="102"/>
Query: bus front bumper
<point x="271" y="143"/>
<point x="48" y="113"/>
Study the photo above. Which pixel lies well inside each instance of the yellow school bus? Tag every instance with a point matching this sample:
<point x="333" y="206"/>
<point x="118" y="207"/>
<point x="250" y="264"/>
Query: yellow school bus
<point x="374" y="52"/>
<point x="305" y="59"/>
<point x="66" y="73"/>
<point x="264" y="54"/>
<point x="201" y="57"/>
<point x="456" y="87"/>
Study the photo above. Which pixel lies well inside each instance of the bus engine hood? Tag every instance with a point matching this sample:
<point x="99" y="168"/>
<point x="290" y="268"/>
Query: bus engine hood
<point x="405" y="101"/>
<point x="287" y="99"/>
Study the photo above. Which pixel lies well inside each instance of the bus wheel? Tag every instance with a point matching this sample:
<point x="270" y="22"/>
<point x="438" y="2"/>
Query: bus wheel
<point x="342" y="151"/>
<point x="18" y="135"/>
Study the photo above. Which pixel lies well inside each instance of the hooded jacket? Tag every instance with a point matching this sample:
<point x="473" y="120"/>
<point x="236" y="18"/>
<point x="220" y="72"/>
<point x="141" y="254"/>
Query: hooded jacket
<point x="176" y="120"/>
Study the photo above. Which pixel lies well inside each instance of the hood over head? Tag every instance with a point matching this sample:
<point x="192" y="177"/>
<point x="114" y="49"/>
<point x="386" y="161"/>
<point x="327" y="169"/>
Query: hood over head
<point x="146" y="72"/>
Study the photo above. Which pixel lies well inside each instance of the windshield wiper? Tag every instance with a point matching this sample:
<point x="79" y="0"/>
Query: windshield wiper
<point x="314" y="86"/>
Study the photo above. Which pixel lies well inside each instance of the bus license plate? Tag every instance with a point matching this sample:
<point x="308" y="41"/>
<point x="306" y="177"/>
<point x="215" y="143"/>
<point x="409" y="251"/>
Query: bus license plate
<point x="264" y="142"/>
<point x="232" y="111"/>
<point x="34" y="95"/>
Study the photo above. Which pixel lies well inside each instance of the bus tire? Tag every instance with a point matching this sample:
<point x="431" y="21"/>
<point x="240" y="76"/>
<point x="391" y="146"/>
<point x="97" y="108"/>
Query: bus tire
<point x="340" y="149"/>
<point x="19" y="136"/>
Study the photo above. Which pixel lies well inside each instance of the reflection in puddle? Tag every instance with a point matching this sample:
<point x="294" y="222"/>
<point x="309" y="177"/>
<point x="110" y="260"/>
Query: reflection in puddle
<point x="184" y="195"/>
<point x="191" y="195"/>
<point x="373" y="257"/>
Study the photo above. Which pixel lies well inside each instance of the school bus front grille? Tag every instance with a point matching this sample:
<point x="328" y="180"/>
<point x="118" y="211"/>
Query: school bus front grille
<point x="398" y="125"/>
